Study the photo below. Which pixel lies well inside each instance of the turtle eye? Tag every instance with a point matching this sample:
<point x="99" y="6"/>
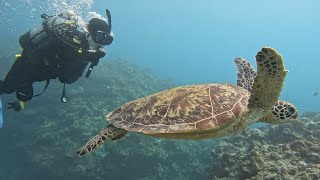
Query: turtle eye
<point x="292" y="110"/>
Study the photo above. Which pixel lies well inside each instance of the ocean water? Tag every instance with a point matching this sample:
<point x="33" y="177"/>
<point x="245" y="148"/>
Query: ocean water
<point x="188" y="42"/>
<point x="196" y="41"/>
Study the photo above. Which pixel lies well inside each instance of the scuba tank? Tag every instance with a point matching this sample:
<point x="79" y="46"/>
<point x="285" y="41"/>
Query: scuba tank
<point x="35" y="44"/>
<point x="39" y="42"/>
<point x="34" y="38"/>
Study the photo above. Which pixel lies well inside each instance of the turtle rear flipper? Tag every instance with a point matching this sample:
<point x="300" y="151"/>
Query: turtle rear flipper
<point x="246" y="73"/>
<point x="281" y="112"/>
<point x="268" y="83"/>
<point x="107" y="134"/>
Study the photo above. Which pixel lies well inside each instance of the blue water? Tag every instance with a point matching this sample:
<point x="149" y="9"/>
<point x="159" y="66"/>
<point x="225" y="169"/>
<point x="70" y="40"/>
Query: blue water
<point x="195" y="42"/>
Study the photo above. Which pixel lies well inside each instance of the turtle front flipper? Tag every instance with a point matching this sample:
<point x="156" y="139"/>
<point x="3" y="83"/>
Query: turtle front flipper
<point x="107" y="134"/>
<point x="246" y="73"/>
<point x="268" y="83"/>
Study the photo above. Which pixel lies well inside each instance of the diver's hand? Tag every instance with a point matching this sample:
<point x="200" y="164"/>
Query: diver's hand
<point x="100" y="53"/>
<point x="16" y="106"/>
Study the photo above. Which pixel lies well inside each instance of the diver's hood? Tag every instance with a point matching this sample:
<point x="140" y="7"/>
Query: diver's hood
<point x="100" y="31"/>
<point x="96" y="24"/>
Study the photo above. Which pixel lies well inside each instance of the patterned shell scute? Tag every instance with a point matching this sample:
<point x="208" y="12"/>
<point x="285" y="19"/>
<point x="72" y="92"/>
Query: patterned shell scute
<point x="182" y="109"/>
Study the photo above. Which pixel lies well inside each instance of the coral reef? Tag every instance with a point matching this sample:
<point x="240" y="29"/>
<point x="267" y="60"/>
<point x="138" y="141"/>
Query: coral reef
<point x="46" y="134"/>
<point x="288" y="151"/>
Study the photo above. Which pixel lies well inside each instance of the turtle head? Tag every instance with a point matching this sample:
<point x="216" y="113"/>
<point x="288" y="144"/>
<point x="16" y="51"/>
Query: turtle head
<point x="281" y="112"/>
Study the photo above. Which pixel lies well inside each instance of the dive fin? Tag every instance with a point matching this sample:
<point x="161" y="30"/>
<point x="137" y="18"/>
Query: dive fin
<point x="1" y="116"/>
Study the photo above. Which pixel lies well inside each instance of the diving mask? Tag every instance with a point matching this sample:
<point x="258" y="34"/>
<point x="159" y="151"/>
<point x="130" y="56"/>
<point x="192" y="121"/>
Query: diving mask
<point x="102" y="37"/>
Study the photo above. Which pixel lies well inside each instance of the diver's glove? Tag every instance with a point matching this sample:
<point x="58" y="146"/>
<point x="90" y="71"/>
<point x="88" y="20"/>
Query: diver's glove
<point x="100" y="53"/>
<point x="16" y="106"/>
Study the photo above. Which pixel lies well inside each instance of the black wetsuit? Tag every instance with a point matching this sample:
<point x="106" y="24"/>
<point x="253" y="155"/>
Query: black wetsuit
<point x="55" y="59"/>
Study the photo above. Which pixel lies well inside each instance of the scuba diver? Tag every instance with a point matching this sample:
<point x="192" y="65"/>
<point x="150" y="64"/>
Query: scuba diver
<point x="61" y="47"/>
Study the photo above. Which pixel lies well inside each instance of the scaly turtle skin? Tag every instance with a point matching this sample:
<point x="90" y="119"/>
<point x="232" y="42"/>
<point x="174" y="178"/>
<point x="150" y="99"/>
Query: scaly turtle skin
<point x="206" y="110"/>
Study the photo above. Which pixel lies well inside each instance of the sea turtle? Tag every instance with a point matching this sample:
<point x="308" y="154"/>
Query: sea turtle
<point x="205" y="110"/>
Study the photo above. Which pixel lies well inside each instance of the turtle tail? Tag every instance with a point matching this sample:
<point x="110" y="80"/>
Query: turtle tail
<point x="107" y="134"/>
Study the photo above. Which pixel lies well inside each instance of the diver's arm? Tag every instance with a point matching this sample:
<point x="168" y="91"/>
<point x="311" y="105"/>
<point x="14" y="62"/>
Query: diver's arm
<point x="100" y="53"/>
<point x="71" y="71"/>
<point x="24" y="93"/>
